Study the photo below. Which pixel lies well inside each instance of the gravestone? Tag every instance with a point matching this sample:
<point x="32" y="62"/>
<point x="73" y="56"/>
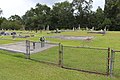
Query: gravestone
<point x="47" y="28"/>
<point x="73" y="29"/>
<point x="79" y="27"/>
<point x="13" y="33"/>
<point x="101" y="30"/>
<point x="58" y="31"/>
<point x="105" y="29"/>
<point x="7" y="33"/>
<point x="87" y="28"/>
<point x="93" y="28"/>
<point x="43" y="28"/>
<point x="2" y="33"/>
<point x="42" y="40"/>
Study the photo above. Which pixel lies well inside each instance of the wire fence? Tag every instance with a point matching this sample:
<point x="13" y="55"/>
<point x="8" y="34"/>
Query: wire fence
<point x="86" y="59"/>
<point x="92" y="60"/>
<point x="43" y="52"/>
<point x="115" y="63"/>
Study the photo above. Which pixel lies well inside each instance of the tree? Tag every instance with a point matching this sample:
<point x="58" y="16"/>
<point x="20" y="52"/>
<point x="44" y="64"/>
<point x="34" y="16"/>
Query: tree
<point x="106" y="23"/>
<point x="37" y="18"/>
<point x="112" y="11"/>
<point x="62" y="15"/>
<point x="82" y="11"/>
<point x="111" y="8"/>
<point x="14" y="25"/>
<point x="2" y="19"/>
<point x="15" y="18"/>
<point x="99" y="15"/>
<point x="0" y="11"/>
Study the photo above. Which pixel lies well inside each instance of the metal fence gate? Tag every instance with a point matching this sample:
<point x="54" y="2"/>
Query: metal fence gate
<point x="115" y="63"/>
<point x="85" y="59"/>
<point x="91" y="60"/>
<point x="43" y="52"/>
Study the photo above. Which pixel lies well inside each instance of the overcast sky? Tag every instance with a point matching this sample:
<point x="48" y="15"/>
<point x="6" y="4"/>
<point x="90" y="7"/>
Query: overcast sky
<point x="19" y="7"/>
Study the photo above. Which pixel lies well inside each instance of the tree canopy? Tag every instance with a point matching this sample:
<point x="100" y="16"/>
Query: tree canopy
<point x="0" y="11"/>
<point x="66" y="15"/>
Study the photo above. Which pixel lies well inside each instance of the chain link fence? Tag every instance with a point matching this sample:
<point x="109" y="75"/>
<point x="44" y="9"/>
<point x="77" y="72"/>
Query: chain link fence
<point x="86" y="59"/>
<point x="115" y="63"/>
<point x="43" y="52"/>
<point x="92" y="60"/>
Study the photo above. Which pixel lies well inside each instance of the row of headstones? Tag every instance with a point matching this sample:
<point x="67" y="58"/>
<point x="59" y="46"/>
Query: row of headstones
<point x="7" y="30"/>
<point x="7" y="33"/>
<point x="72" y="29"/>
<point x="87" y="29"/>
<point x="80" y="28"/>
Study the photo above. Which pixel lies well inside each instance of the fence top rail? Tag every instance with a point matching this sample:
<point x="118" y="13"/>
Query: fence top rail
<point x="11" y="39"/>
<point x="86" y="47"/>
<point x="116" y="51"/>
<point x="46" y="42"/>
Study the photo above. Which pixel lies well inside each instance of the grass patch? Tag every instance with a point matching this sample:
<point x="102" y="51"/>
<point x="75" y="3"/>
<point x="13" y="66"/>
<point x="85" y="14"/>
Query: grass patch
<point x="49" y="55"/>
<point x="14" y="68"/>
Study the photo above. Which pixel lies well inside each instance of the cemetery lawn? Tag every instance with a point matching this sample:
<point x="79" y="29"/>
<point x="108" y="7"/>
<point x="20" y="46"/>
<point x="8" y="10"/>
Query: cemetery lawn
<point x="16" y="67"/>
<point x="111" y="39"/>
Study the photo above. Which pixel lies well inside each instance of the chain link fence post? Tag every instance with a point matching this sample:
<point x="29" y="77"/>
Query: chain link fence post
<point x="27" y="49"/>
<point x="112" y="63"/>
<point x="33" y="45"/>
<point x="59" y="63"/>
<point x="108" y="62"/>
<point x="60" y="55"/>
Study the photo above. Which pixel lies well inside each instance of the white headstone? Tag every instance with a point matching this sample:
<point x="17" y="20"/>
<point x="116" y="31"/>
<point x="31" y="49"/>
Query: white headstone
<point x="44" y="28"/>
<point x="92" y="28"/>
<point x="87" y="28"/>
<point x="79" y="27"/>
<point x="101" y="30"/>
<point x="73" y="29"/>
<point x="57" y="29"/>
<point x="47" y="28"/>
<point x="105" y="29"/>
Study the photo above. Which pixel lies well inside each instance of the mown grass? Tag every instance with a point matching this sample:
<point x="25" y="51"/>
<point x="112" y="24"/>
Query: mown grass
<point x="49" y="55"/>
<point x="111" y="39"/>
<point x="16" y="67"/>
<point x="80" y="58"/>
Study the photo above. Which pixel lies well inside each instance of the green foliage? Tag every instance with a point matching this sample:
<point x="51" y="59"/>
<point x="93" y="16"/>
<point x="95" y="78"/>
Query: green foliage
<point x="106" y="22"/>
<point x="0" y="11"/>
<point x="99" y="15"/>
<point x="62" y="15"/>
<point x="66" y="15"/>
<point x="1" y="20"/>
<point x="112" y="10"/>
<point x="82" y="10"/>
<point x="14" y="25"/>
<point x="37" y="18"/>
<point x="14" y="66"/>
